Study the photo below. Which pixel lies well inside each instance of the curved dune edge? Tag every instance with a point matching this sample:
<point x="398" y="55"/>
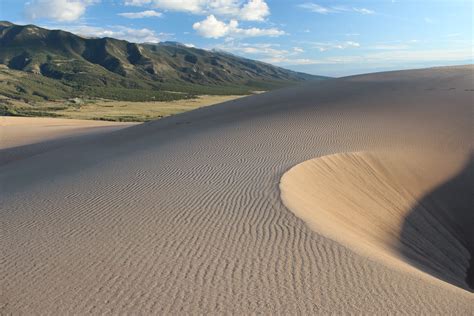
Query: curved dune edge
<point x="370" y="203"/>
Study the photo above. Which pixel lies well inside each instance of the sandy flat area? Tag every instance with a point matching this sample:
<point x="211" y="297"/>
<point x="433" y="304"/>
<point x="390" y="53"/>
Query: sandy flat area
<point x="19" y="131"/>
<point x="184" y="215"/>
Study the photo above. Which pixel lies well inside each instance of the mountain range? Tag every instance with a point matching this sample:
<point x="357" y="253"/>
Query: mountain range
<point x="55" y="64"/>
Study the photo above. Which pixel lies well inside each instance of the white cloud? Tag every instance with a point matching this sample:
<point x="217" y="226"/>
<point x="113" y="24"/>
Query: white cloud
<point x="272" y="53"/>
<point x="267" y="52"/>
<point x="363" y="11"/>
<point x="316" y="8"/>
<point x="386" y="58"/>
<point x="325" y="46"/>
<point x="142" y="14"/>
<point x="58" y="10"/>
<point x="143" y="35"/>
<point x="255" y="32"/>
<point x="211" y="27"/>
<point x="291" y="61"/>
<point x="193" y="6"/>
<point x="254" y="10"/>
<point x="137" y="3"/>
<point x="220" y="7"/>
<point x="251" y="10"/>
<point x="261" y="49"/>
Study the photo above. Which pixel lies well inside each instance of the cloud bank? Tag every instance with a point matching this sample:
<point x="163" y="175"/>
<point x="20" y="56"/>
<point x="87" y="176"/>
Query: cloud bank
<point x="211" y="27"/>
<point x="57" y="10"/>
<point x="142" y="14"/>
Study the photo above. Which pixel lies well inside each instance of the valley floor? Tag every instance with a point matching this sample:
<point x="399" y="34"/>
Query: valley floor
<point x="111" y="110"/>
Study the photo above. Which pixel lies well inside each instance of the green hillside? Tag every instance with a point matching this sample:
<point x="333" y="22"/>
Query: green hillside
<point x="37" y="64"/>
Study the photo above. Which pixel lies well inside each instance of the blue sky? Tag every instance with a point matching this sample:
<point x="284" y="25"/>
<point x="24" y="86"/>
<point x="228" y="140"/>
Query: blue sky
<point x="327" y="37"/>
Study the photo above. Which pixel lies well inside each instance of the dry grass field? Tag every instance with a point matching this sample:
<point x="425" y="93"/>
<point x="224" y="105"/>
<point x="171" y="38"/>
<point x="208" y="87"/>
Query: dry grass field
<point x="111" y="110"/>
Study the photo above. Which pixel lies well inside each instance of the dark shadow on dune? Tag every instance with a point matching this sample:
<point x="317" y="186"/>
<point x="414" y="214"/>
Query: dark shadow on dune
<point x="437" y="236"/>
<point x="470" y="273"/>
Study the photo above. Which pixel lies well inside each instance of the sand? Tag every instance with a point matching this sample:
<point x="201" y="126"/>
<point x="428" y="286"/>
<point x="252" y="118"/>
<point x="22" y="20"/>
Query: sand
<point x="184" y="214"/>
<point x="20" y="131"/>
<point x="392" y="206"/>
<point x="28" y="136"/>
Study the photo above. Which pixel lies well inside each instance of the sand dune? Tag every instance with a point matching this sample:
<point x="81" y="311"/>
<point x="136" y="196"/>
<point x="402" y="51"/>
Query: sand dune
<point x="184" y="215"/>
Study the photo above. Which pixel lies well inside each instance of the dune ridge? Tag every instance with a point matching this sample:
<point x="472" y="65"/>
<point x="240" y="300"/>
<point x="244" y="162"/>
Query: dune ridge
<point x="183" y="215"/>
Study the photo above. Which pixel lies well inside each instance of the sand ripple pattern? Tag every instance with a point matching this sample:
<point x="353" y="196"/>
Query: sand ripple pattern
<point x="183" y="215"/>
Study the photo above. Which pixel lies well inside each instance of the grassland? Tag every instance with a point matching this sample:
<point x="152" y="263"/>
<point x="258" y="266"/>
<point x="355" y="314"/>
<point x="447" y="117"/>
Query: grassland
<point x="27" y="94"/>
<point x="109" y="110"/>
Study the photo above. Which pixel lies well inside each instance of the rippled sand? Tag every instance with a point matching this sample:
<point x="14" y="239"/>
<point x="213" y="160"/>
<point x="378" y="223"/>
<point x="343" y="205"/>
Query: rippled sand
<point x="184" y="215"/>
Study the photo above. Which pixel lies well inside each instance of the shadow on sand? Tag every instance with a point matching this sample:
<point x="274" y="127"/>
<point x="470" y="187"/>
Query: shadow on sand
<point x="437" y="236"/>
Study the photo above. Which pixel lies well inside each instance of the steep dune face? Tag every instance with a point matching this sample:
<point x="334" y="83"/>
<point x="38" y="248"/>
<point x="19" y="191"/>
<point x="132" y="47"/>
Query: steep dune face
<point x="184" y="216"/>
<point x="382" y="205"/>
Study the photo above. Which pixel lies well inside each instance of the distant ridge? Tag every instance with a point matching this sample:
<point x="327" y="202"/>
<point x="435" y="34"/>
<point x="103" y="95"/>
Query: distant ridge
<point x="76" y="63"/>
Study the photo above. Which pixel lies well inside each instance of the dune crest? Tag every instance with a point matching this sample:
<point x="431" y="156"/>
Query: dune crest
<point x="386" y="206"/>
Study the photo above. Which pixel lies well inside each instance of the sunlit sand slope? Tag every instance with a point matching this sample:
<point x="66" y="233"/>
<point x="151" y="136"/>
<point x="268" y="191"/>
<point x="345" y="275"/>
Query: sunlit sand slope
<point x="390" y="206"/>
<point x="184" y="215"/>
<point x="22" y="137"/>
<point x="20" y="131"/>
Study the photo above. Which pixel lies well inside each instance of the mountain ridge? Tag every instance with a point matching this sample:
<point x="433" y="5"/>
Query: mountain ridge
<point x="87" y="65"/>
